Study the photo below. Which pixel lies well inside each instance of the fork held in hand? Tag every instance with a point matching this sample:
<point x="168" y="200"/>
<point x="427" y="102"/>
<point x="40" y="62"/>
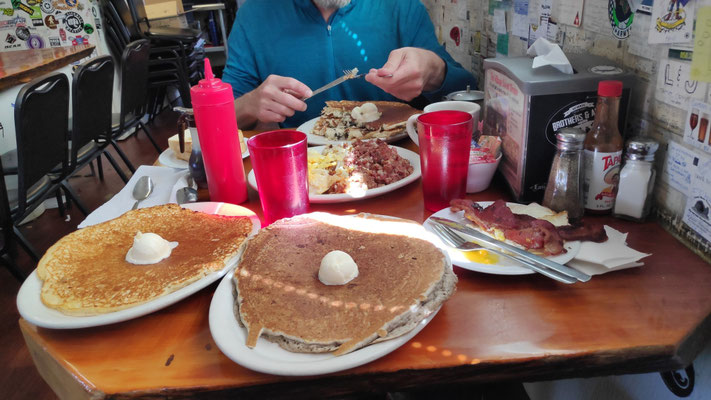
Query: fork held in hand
<point x="454" y="240"/>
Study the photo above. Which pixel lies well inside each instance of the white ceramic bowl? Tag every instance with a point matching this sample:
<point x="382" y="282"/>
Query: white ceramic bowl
<point x="480" y="175"/>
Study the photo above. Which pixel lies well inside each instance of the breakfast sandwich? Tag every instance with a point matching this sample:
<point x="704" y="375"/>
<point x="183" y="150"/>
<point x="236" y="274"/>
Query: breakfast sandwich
<point x="325" y="283"/>
<point x="137" y="257"/>
<point x="349" y="120"/>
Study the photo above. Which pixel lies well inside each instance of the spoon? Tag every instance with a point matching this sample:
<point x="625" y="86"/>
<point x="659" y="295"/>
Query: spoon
<point x="142" y="190"/>
<point x="186" y="195"/>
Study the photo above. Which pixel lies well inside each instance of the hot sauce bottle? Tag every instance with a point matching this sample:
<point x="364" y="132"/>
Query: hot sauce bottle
<point x="603" y="151"/>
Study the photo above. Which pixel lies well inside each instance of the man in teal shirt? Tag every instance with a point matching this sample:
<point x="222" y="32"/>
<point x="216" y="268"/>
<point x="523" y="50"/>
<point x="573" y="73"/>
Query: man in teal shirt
<point x="280" y="49"/>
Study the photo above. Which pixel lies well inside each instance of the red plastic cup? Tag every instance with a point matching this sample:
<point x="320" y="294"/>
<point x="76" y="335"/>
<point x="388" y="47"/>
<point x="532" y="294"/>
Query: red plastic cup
<point x="280" y="168"/>
<point x="445" y="139"/>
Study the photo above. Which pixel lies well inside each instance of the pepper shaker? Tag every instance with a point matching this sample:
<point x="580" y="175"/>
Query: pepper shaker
<point x="564" y="191"/>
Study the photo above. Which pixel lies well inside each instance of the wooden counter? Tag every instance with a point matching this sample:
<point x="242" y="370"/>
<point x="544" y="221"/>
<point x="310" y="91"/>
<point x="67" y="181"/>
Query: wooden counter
<point x="18" y="67"/>
<point x="493" y="328"/>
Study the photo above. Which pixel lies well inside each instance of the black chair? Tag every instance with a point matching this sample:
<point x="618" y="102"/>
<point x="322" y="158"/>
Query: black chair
<point x="134" y="88"/>
<point x="8" y="237"/>
<point x="42" y="146"/>
<point x="92" y="92"/>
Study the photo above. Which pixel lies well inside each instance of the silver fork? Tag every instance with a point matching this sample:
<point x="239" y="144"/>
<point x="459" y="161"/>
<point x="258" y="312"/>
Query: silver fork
<point x="452" y="239"/>
<point x="347" y="74"/>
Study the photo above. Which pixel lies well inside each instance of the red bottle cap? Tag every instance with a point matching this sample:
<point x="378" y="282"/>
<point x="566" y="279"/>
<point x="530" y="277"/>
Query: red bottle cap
<point x="609" y="88"/>
<point x="211" y="90"/>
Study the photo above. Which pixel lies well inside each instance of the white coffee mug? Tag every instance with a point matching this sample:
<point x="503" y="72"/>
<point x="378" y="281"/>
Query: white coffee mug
<point x="471" y="108"/>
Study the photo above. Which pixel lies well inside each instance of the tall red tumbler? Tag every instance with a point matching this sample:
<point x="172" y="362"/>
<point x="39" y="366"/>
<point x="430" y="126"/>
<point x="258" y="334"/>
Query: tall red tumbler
<point x="445" y="140"/>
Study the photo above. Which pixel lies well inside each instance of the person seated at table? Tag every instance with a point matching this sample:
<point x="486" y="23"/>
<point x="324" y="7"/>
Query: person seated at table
<point x="280" y="50"/>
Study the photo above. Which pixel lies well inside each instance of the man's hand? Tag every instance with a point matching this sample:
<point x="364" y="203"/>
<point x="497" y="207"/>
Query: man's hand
<point x="277" y="98"/>
<point x="413" y="71"/>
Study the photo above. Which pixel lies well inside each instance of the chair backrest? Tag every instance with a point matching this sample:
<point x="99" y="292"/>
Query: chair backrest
<point x="134" y="79"/>
<point x="128" y="16"/>
<point x="5" y="216"/>
<point x="92" y="91"/>
<point x="41" y="119"/>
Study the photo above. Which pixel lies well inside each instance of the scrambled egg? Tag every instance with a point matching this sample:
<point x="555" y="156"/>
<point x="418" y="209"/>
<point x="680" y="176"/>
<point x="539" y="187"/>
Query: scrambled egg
<point x="326" y="168"/>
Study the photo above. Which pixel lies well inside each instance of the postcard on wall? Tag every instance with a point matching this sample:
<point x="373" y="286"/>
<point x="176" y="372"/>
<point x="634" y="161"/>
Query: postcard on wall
<point x="672" y="21"/>
<point x="697" y="214"/>
<point x="681" y="163"/>
<point x="569" y="12"/>
<point x="637" y="43"/>
<point x="674" y="85"/>
<point x="701" y="63"/>
<point x="520" y="18"/>
<point x="697" y="129"/>
<point x="499" y="21"/>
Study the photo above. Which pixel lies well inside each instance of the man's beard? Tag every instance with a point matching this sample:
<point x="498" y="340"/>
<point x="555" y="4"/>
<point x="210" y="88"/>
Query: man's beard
<point x="331" y="4"/>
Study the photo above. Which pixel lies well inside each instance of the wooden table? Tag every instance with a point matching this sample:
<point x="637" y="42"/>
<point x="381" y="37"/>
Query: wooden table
<point x="493" y="328"/>
<point x="17" y="67"/>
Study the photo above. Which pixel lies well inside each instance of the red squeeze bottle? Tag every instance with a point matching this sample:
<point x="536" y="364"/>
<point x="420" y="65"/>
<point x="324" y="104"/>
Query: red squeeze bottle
<point x="213" y="105"/>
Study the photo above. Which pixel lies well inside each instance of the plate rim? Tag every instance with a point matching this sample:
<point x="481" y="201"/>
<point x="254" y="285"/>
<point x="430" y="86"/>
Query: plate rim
<point x="412" y="157"/>
<point x="322" y="141"/>
<point x="29" y="293"/>
<point x="491" y="268"/>
<point x="168" y="155"/>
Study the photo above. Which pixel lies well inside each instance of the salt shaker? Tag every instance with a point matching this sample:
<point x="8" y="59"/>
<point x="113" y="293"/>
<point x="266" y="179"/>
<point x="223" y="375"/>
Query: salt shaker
<point x="564" y="191"/>
<point x="213" y="105"/>
<point x="634" y="196"/>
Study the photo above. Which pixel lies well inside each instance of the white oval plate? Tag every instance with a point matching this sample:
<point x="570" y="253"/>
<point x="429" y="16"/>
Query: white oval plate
<point x="505" y="266"/>
<point x="312" y="139"/>
<point x="269" y="358"/>
<point x="34" y="311"/>
<point x="168" y="159"/>
<point x="410" y="156"/>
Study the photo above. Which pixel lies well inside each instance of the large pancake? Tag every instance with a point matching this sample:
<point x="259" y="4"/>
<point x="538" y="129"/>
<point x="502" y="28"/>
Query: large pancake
<point x="85" y="272"/>
<point x="401" y="280"/>
<point x="336" y="116"/>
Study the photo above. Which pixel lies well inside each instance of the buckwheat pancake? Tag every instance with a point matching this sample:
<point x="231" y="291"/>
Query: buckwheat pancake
<point x="336" y="122"/>
<point x="401" y="280"/>
<point x="85" y="273"/>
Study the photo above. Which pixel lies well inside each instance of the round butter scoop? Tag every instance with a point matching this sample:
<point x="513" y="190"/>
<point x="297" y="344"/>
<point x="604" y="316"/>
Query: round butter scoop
<point x="149" y="248"/>
<point x="337" y="268"/>
<point x="368" y="112"/>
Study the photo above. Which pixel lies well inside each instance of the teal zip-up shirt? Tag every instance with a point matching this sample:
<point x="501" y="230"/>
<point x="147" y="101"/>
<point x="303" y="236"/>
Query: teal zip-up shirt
<point x="290" y="38"/>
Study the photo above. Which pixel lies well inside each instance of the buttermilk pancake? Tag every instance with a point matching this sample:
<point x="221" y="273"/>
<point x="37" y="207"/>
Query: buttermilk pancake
<point x="401" y="279"/>
<point x="337" y="121"/>
<point x="86" y="272"/>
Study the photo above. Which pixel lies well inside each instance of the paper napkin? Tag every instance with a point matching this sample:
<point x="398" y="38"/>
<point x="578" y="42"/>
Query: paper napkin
<point x="547" y="53"/>
<point x="165" y="181"/>
<point x="611" y="255"/>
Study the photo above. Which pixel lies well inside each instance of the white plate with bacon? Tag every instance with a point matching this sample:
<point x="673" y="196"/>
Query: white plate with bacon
<point x="486" y="262"/>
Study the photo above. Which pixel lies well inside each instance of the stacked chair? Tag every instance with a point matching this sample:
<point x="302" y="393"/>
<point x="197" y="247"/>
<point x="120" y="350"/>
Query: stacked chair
<point x="176" y="54"/>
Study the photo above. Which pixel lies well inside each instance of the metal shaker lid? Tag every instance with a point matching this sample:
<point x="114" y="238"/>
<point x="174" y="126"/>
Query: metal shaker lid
<point x="641" y="148"/>
<point x="466" y="95"/>
<point x="570" y="138"/>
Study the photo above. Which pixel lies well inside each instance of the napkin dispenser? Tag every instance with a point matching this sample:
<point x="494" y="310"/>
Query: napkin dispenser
<point x="527" y="106"/>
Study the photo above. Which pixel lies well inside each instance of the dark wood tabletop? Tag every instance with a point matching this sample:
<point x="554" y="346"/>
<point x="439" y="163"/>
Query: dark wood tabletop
<point x="494" y="328"/>
<point x="18" y="67"/>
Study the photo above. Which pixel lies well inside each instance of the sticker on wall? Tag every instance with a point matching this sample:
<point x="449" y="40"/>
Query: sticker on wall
<point x="17" y="4"/>
<point x="73" y="22"/>
<point x="76" y="41"/>
<point x="672" y="21"/>
<point x="51" y="22"/>
<point x="62" y="34"/>
<point x="698" y="204"/>
<point x="54" y="41"/>
<point x="621" y="17"/>
<point x="71" y="3"/>
<point x="22" y="32"/>
<point x="88" y="29"/>
<point x="9" y="39"/>
<point x="8" y="12"/>
<point x="454" y="34"/>
<point x="47" y="7"/>
<point x="35" y="42"/>
<point x="697" y="129"/>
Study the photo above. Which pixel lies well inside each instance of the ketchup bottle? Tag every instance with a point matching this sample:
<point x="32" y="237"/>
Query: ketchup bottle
<point x="213" y="105"/>
<point x="603" y="151"/>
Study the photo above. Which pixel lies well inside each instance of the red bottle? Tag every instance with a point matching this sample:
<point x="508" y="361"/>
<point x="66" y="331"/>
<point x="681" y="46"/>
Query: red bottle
<point x="603" y="151"/>
<point x="213" y="105"/>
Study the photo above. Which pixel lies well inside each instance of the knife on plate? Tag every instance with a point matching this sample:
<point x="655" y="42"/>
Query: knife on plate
<point x="489" y="242"/>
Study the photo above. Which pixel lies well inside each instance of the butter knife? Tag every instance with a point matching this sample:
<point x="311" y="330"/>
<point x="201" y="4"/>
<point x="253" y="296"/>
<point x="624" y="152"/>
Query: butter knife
<point x="489" y="242"/>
